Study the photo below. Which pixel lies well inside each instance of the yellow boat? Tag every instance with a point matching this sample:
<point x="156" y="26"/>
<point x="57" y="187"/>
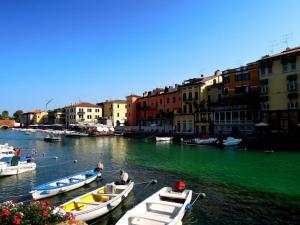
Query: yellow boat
<point x="96" y="203"/>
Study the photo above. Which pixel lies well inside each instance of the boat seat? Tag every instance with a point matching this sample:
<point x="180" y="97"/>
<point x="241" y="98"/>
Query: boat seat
<point x="88" y="203"/>
<point x="110" y="195"/>
<point x="61" y="183"/>
<point x="75" y="179"/>
<point x="173" y="204"/>
<point x="150" y="216"/>
<point x="173" y="195"/>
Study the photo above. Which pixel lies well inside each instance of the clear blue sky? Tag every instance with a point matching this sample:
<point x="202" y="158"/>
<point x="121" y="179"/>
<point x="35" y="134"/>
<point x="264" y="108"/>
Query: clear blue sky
<point x="71" y="50"/>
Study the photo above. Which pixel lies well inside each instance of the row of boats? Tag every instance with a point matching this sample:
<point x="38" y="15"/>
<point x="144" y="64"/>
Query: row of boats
<point x="229" y="141"/>
<point x="166" y="206"/>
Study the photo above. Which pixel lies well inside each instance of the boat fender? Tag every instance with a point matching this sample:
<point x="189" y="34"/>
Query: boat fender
<point x="180" y="186"/>
<point x="189" y="206"/>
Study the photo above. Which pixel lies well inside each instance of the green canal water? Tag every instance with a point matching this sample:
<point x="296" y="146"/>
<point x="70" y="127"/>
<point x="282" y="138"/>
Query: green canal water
<point x="252" y="187"/>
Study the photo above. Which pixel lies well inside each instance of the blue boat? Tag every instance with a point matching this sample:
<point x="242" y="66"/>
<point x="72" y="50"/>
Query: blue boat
<point x="64" y="184"/>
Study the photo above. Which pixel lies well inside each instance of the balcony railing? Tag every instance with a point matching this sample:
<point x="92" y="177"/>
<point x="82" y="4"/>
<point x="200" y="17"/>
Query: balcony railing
<point x="292" y="86"/>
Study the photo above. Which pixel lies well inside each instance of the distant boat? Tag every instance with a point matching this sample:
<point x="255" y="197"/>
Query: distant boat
<point x="165" y="207"/>
<point x="164" y="138"/>
<point x="51" y="138"/>
<point x="6" y="151"/>
<point x="16" y="165"/>
<point x="64" y="184"/>
<point x="76" y="134"/>
<point x="230" y="141"/>
<point x="96" y="203"/>
<point x="205" y="141"/>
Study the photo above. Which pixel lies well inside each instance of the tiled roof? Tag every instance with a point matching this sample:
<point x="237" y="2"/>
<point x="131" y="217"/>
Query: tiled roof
<point x="285" y="52"/>
<point x="83" y="104"/>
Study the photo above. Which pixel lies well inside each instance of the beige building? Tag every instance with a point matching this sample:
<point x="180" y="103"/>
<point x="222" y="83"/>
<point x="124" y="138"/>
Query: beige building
<point x="115" y="110"/>
<point x="82" y="112"/>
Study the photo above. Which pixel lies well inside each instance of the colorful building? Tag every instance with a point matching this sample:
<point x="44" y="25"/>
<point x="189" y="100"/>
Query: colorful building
<point x="237" y="112"/>
<point x="82" y="112"/>
<point x="116" y="111"/>
<point x="155" y="110"/>
<point x="279" y="90"/>
<point x="131" y="102"/>
<point x="32" y="118"/>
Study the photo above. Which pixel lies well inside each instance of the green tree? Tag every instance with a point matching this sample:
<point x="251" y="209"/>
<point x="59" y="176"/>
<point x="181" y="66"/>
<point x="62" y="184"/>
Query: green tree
<point x="17" y="115"/>
<point x="5" y="114"/>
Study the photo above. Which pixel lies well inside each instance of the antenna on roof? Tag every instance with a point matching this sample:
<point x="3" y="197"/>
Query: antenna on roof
<point x="47" y="103"/>
<point x="286" y="38"/>
<point x="272" y="45"/>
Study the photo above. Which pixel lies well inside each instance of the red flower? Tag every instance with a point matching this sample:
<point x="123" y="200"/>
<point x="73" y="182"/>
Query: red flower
<point x="17" y="220"/>
<point x="14" y="201"/>
<point x="45" y="213"/>
<point x="6" y="212"/>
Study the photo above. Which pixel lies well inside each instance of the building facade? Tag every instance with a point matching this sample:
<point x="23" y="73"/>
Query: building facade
<point x="116" y="111"/>
<point x="237" y="112"/>
<point x="279" y="90"/>
<point x="82" y="112"/>
<point x="155" y="110"/>
<point x="131" y="102"/>
<point x="35" y="117"/>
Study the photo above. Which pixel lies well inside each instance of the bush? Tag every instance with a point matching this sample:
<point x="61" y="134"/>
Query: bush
<point x="34" y="213"/>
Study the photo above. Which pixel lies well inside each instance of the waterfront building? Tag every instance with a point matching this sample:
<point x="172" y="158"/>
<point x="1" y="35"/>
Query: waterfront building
<point x="189" y="119"/>
<point x="116" y="111"/>
<point x="7" y="123"/>
<point x="56" y="116"/>
<point x="33" y="118"/>
<point x="279" y="90"/>
<point x="131" y="102"/>
<point x="82" y="112"/>
<point x="237" y="112"/>
<point x="155" y="109"/>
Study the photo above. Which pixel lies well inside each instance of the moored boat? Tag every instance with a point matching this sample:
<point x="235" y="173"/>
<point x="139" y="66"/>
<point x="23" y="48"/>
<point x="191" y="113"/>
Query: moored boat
<point x="51" y="138"/>
<point x="205" y="141"/>
<point x="163" y="138"/>
<point x="64" y="184"/>
<point x="230" y="141"/>
<point x="16" y="165"/>
<point x="165" y="207"/>
<point x="76" y="134"/>
<point x="96" y="203"/>
<point x="6" y="151"/>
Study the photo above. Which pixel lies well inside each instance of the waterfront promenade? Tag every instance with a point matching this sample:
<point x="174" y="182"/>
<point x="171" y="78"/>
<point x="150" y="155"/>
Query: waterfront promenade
<point x="242" y="187"/>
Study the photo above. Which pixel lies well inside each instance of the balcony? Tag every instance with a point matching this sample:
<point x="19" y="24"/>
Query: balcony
<point x="292" y="86"/>
<point x="190" y="99"/>
<point x="80" y="113"/>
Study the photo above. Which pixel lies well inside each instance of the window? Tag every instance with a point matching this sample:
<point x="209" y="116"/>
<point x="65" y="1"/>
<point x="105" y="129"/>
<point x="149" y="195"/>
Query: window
<point x="89" y="110"/>
<point x="262" y="70"/>
<point x="167" y="100"/>
<point x="292" y="85"/>
<point x="270" y="69"/>
<point x="160" y="101"/>
<point x="184" y="109"/>
<point x="178" y="126"/>
<point x="190" y="108"/>
<point x="190" y="95"/>
<point x="293" y="105"/>
<point x="184" y="96"/>
<point x="285" y="68"/>
<point x="118" y="106"/>
<point x="293" y="66"/>
<point x="183" y="126"/>
<point x="174" y="99"/>
<point x="196" y="95"/>
<point x="226" y="79"/>
<point x="118" y="114"/>
<point x="242" y="76"/>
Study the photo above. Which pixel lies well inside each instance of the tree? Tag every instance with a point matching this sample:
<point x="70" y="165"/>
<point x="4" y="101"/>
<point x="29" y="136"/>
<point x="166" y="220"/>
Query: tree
<point x="17" y="115"/>
<point x="5" y="114"/>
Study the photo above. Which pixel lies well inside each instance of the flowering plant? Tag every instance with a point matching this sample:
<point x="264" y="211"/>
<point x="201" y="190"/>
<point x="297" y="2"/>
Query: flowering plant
<point x="34" y="213"/>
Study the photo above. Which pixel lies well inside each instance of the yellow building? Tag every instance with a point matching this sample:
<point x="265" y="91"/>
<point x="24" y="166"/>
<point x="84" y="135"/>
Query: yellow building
<point x="115" y="110"/>
<point x="279" y="90"/>
<point x="192" y="94"/>
<point x="40" y="117"/>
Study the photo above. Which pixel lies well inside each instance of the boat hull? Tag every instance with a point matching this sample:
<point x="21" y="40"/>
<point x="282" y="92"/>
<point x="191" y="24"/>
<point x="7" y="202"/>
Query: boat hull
<point x="14" y="170"/>
<point x="100" y="210"/>
<point x="41" y="193"/>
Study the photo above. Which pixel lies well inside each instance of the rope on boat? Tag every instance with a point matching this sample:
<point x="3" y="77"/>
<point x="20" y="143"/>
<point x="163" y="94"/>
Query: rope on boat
<point x="200" y="195"/>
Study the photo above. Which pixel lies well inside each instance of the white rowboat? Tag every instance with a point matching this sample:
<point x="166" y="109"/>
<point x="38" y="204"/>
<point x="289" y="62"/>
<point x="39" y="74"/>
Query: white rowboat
<point x="164" y="138"/>
<point x="15" y="165"/>
<point x="165" y="207"/>
<point x="96" y="203"/>
<point x="64" y="184"/>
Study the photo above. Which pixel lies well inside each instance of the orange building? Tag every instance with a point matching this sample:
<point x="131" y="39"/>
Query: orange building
<point x="131" y="109"/>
